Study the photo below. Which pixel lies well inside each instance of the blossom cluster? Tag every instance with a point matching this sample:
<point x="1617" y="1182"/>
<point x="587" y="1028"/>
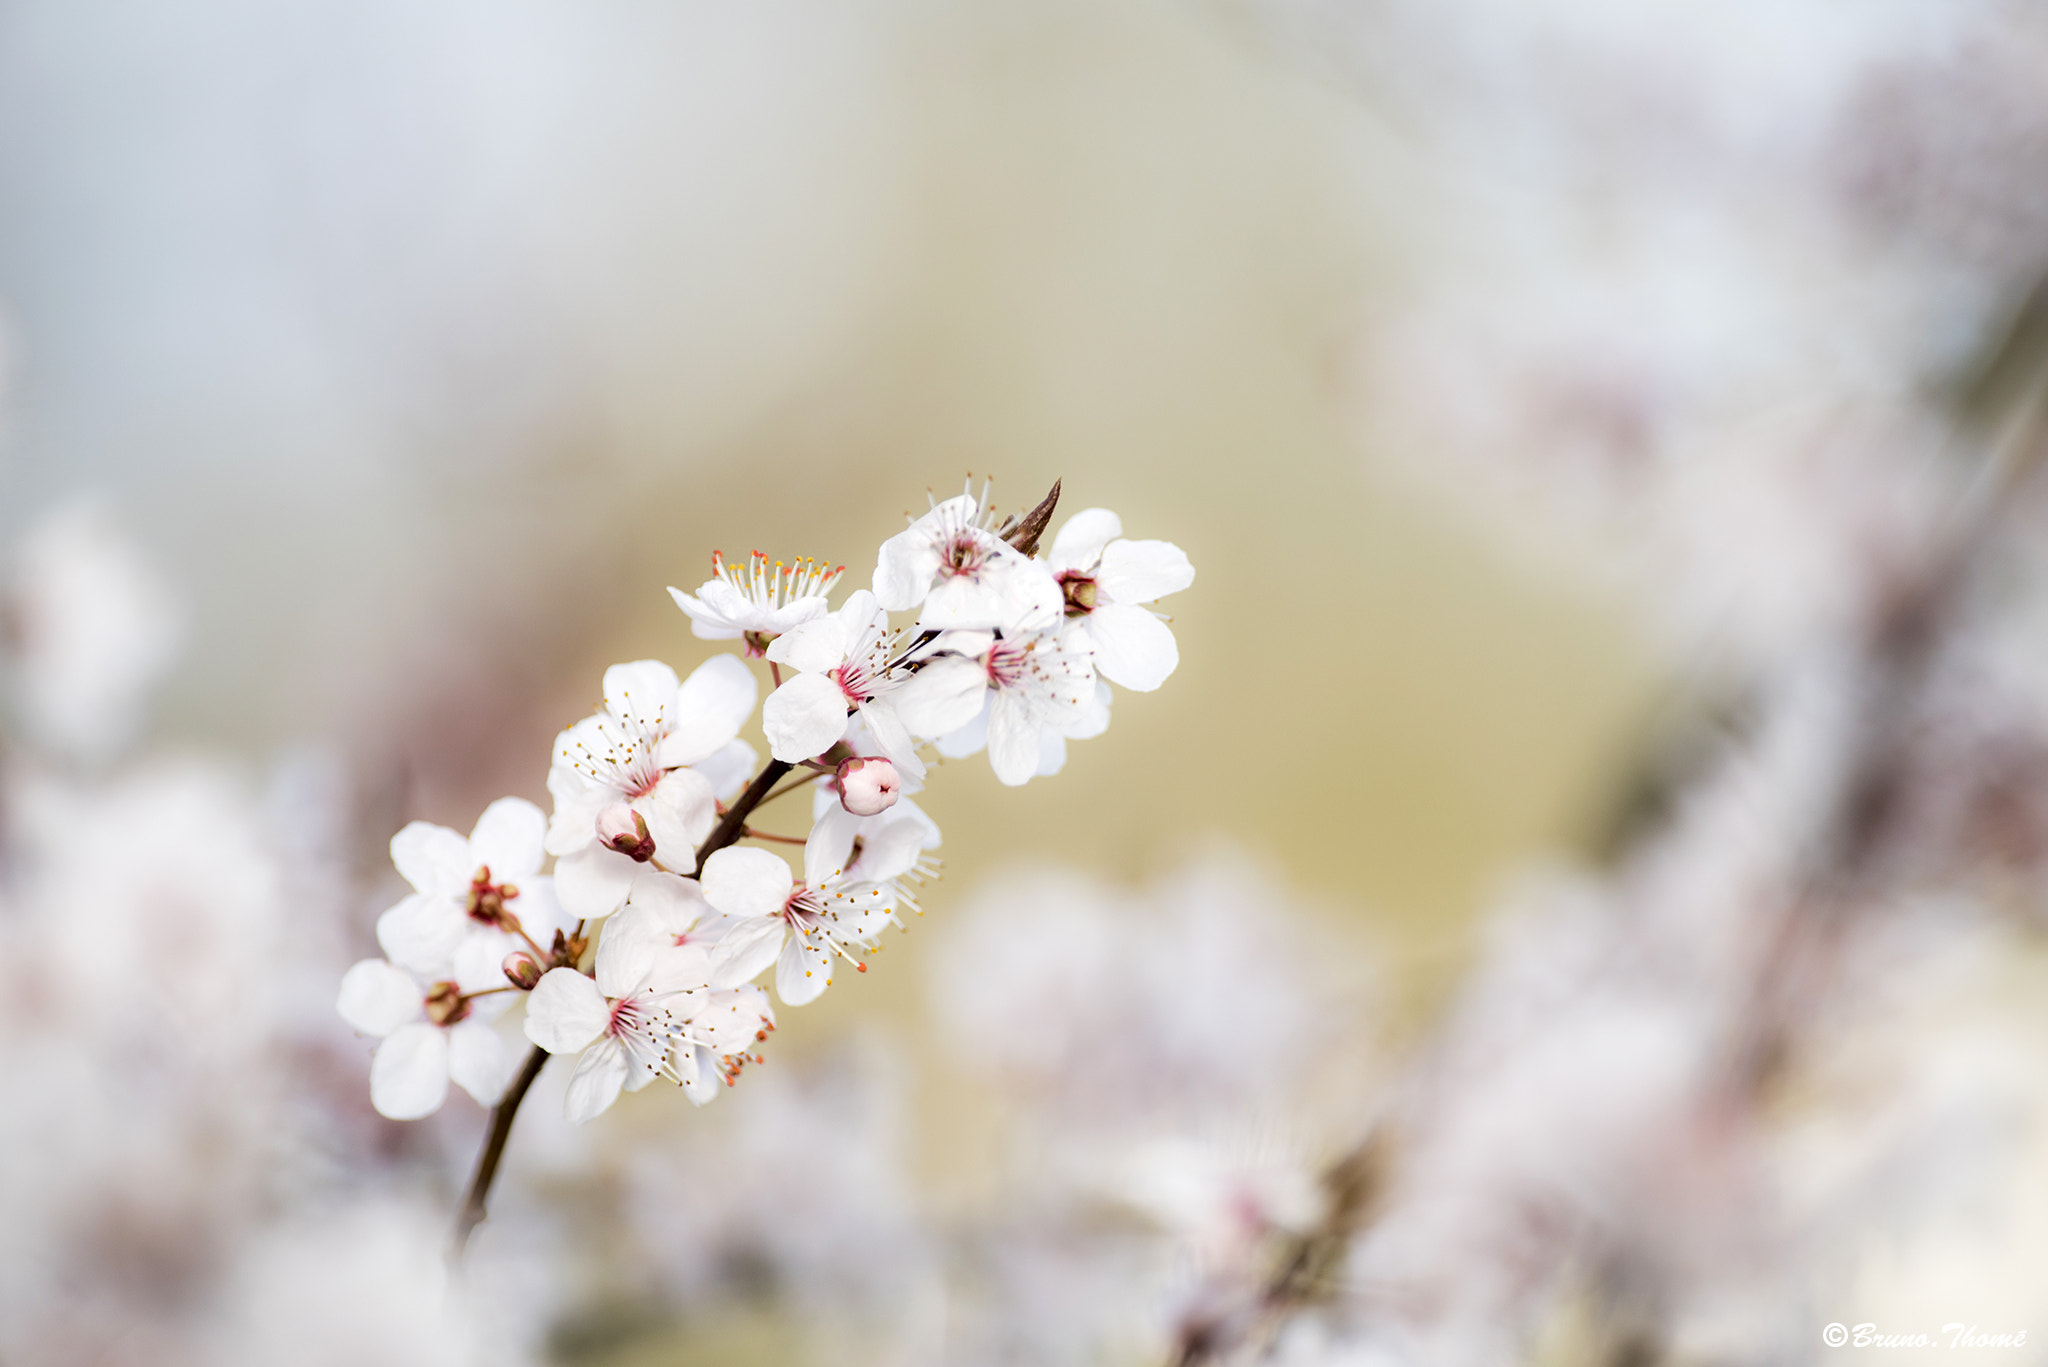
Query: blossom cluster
<point x="638" y="952"/>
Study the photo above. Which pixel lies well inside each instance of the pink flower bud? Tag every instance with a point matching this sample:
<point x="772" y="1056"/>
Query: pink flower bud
<point x="621" y="828"/>
<point x="868" y="786"/>
<point x="523" y="969"/>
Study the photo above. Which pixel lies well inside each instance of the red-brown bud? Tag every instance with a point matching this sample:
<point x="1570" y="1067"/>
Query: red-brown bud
<point x="621" y="828"/>
<point x="523" y="970"/>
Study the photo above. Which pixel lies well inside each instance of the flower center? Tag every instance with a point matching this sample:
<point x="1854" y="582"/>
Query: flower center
<point x="962" y="554"/>
<point x="1007" y="662"/>
<point x="804" y="907"/>
<point x="854" y="682"/>
<point x="487" y="901"/>
<point x="1079" y="590"/>
<point x="625" y="1018"/>
<point x="446" y="1004"/>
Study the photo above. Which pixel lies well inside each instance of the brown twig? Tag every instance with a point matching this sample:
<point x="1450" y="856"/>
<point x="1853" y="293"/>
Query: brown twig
<point x="472" y="1212"/>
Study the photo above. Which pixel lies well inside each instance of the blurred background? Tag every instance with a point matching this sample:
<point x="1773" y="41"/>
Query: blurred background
<point x="1579" y="899"/>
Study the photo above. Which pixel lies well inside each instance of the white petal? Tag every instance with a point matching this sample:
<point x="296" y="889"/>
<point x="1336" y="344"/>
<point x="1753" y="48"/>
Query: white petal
<point x="682" y="968"/>
<point x="886" y="729"/>
<point x="478" y="1061"/>
<point x="671" y="903"/>
<point x="643" y="692"/>
<point x="729" y="1020"/>
<point x="539" y="910"/>
<point x="906" y="563"/>
<point x="729" y="769"/>
<point x="508" y="839"/>
<point x="595" y="1084"/>
<point x="566" y="1012"/>
<point x="1132" y="647"/>
<point x="1052" y="753"/>
<point x="813" y="647"/>
<point x="1090" y="719"/>
<point x="409" y="1076"/>
<point x="905" y="809"/>
<point x="432" y="858"/>
<point x="578" y="799"/>
<point x="593" y="881"/>
<point x="680" y="812"/>
<point x="479" y="963"/>
<point x="709" y="621"/>
<point x="803" y="970"/>
<point x="625" y="952"/>
<point x="712" y="706"/>
<point x="699" y="1076"/>
<point x="377" y="998"/>
<point x="1081" y="539"/>
<point x="746" y="881"/>
<point x="421" y="933"/>
<point x="942" y="697"/>
<point x="1140" y="571"/>
<point x="804" y="717"/>
<point x="746" y="948"/>
<point x="860" y="911"/>
<point x="1013" y="746"/>
<point x="1008" y="593"/>
<point x="970" y="739"/>
<point x="830" y="846"/>
<point x="890" y="851"/>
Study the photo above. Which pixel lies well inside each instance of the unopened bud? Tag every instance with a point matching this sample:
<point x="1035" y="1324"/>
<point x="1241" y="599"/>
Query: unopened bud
<point x="868" y="786"/>
<point x="621" y="828"/>
<point x="446" y="1004"/>
<point x="523" y="969"/>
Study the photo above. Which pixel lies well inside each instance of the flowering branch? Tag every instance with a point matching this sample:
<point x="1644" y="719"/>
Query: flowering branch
<point x="1009" y="648"/>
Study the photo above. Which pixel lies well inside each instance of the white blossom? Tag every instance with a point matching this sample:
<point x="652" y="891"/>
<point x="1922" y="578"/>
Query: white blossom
<point x="428" y="1035"/>
<point x="842" y="661"/>
<point x="843" y="902"/>
<point x="637" y="752"/>
<point x="963" y="574"/>
<point x="758" y="603"/>
<point x="89" y="630"/>
<point x="1106" y="581"/>
<point x="648" y="1013"/>
<point x="475" y="899"/>
<point x="1021" y="696"/>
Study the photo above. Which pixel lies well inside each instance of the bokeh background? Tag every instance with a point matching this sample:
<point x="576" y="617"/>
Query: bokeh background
<point x="1544" y="393"/>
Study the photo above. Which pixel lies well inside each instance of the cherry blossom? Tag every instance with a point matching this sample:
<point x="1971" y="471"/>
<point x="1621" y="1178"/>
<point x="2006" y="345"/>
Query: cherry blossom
<point x="963" y="574"/>
<point x="759" y="603"/>
<point x="475" y="899"/>
<point x="843" y="662"/>
<point x="839" y="908"/>
<point x="647" y="1014"/>
<point x="1022" y="697"/>
<point x="637" y="752"/>
<point x="428" y="1035"/>
<point x="1105" y="581"/>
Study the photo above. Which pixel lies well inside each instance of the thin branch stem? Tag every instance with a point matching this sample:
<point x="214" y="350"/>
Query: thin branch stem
<point x="473" y="1205"/>
<point x="735" y="819"/>
<point x="751" y="834"/>
<point x="795" y="785"/>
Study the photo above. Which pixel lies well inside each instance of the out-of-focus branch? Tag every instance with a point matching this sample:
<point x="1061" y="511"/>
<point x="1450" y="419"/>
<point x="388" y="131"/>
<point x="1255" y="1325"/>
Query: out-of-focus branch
<point x="1306" y="1265"/>
<point x="2005" y="418"/>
